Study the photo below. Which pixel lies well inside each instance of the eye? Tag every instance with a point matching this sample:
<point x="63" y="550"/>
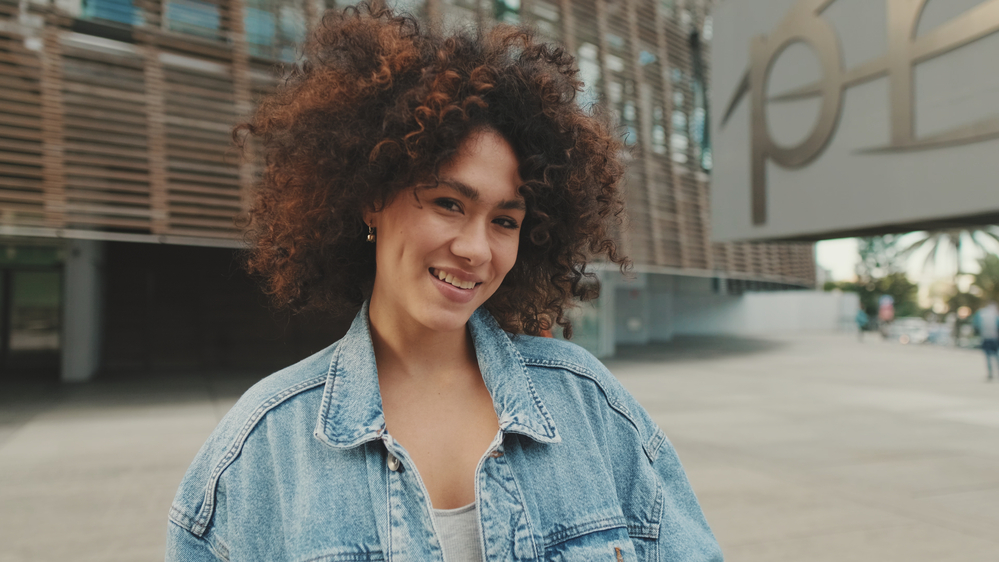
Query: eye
<point x="507" y="222"/>
<point x="448" y="204"/>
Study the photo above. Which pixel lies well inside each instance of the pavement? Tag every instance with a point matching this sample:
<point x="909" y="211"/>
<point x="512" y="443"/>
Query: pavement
<point x="800" y="448"/>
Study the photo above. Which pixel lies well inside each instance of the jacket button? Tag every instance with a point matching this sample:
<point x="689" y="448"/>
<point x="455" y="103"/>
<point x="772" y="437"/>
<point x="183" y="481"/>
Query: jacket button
<point x="393" y="463"/>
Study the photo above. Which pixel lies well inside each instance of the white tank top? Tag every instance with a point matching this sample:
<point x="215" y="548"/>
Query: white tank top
<point x="459" y="533"/>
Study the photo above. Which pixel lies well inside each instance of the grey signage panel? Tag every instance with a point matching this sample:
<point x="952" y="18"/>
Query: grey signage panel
<point x="852" y="117"/>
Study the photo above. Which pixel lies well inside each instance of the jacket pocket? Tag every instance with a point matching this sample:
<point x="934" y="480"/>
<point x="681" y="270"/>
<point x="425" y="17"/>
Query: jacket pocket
<point x="594" y="542"/>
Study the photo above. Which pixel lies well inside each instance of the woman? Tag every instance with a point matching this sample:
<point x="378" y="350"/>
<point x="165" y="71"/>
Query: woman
<point x="452" y="189"/>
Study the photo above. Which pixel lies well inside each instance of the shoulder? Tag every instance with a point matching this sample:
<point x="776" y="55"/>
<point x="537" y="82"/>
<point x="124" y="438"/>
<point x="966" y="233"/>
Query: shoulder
<point x="568" y="363"/>
<point x="552" y="357"/>
<point x="561" y="369"/>
<point x="194" y="502"/>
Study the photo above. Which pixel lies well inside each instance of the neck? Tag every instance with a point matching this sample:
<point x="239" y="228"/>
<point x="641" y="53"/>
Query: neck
<point x="404" y="349"/>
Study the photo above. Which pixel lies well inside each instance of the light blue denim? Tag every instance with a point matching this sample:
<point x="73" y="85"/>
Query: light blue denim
<point x="302" y="469"/>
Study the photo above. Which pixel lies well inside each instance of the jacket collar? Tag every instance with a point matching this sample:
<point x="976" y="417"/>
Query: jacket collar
<point x="351" y="409"/>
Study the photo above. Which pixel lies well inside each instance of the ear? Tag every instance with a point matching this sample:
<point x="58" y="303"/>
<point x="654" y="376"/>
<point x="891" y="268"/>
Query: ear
<point x="370" y="217"/>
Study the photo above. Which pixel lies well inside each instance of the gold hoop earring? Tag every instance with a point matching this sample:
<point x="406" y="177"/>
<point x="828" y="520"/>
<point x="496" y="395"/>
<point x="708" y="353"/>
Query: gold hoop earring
<point x="371" y="234"/>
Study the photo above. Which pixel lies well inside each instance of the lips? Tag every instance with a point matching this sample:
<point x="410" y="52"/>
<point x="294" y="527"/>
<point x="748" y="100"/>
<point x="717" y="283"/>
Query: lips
<point x="452" y="292"/>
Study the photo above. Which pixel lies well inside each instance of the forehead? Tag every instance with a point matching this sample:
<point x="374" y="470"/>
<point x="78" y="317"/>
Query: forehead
<point x="487" y="164"/>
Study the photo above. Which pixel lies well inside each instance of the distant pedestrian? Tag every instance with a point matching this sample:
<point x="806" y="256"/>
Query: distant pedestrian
<point x="987" y="323"/>
<point x="862" y="321"/>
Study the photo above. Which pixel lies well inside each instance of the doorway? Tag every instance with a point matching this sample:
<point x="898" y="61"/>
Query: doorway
<point x="30" y="311"/>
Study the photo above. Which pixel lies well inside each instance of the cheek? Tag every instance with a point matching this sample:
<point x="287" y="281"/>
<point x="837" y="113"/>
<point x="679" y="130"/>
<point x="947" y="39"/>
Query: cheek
<point x="412" y="235"/>
<point x="505" y="256"/>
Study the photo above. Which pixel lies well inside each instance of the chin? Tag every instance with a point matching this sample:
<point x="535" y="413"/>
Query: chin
<point x="447" y="320"/>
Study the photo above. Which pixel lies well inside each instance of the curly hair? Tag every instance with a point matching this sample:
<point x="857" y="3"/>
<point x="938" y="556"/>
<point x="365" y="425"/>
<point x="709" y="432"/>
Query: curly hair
<point x="379" y="104"/>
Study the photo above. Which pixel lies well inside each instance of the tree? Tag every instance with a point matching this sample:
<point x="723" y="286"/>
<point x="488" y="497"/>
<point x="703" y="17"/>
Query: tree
<point x="987" y="279"/>
<point x="895" y="284"/>
<point x="880" y="272"/>
<point x="960" y="239"/>
<point x="879" y="256"/>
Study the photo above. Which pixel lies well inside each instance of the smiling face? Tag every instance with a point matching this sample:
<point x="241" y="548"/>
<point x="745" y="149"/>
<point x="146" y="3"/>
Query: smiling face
<point x="442" y="253"/>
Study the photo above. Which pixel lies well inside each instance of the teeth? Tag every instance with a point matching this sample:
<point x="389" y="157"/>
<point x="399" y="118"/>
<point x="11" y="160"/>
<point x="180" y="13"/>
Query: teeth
<point x="449" y="278"/>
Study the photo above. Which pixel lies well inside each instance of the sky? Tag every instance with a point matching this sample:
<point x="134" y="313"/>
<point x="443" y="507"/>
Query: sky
<point x="840" y="258"/>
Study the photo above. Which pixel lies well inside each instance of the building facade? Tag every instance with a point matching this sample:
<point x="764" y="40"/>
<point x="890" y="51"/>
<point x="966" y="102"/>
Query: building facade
<point x="119" y="184"/>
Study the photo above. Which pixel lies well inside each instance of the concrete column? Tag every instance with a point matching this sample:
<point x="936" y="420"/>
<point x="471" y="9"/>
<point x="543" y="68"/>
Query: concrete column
<point x="83" y="307"/>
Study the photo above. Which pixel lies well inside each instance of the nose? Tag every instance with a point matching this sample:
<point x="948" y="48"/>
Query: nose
<point x="472" y="243"/>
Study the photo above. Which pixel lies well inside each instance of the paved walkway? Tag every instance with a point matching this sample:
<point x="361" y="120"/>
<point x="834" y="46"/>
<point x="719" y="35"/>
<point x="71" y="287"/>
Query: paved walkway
<point x="806" y="448"/>
<point x="825" y="449"/>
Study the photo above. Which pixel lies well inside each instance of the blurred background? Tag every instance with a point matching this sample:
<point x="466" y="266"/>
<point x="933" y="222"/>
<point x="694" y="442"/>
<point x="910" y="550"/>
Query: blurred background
<point x="800" y="174"/>
<point x="119" y="185"/>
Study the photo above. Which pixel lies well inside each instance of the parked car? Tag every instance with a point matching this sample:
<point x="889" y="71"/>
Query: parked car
<point x="910" y="330"/>
<point x="941" y="334"/>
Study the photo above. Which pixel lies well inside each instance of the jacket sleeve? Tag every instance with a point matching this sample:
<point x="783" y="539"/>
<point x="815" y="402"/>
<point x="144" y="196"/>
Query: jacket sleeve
<point x="684" y="533"/>
<point x="182" y="546"/>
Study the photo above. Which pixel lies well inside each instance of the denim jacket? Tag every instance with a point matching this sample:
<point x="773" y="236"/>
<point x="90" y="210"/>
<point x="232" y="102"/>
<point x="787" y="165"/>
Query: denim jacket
<point x="302" y="468"/>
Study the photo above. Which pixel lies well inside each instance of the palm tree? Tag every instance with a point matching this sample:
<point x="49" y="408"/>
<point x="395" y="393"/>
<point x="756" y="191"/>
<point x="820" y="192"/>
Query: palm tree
<point x="960" y="239"/>
<point x="988" y="278"/>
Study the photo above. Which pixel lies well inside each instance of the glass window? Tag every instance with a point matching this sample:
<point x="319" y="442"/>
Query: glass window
<point x="626" y="112"/>
<point x="260" y="29"/>
<point x="412" y="7"/>
<point x="121" y="11"/>
<point x="507" y="11"/>
<point x="686" y="19"/>
<point x="545" y="10"/>
<point x="35" y="310"/>
<point x="274" y="30"/>
<point x="629" y="118"/>
<point x="615" y="41"/>
<point x="699" y="132"/>
<point x="194" y="17"/>
<point x="679" y="120"/>
<point x="679" y="143"/>
<point x="615" y="91"/>
<point x="589" y="73"/>
<point x="615" y="63"/>
<point x="658" y="131"/>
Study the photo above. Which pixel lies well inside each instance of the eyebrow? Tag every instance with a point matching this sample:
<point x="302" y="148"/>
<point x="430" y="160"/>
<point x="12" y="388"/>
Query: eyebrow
<point x="472" y="194"/>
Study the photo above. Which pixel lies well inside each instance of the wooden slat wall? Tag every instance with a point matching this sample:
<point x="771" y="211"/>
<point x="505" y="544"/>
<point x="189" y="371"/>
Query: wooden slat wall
<point x="105" y="141"/>
<point x="203" y="187"/>
<point x="133" y="135"/>
<point x="647" y="72"/>
<point x="22" y="196"/>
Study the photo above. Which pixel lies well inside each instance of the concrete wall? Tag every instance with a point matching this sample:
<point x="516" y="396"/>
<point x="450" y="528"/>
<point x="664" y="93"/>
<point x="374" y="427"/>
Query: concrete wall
<point x="763" y="313"/>
<point x="631" y="310"/>
<point x="654" y="307"/>
<point x="661" y="292"/>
